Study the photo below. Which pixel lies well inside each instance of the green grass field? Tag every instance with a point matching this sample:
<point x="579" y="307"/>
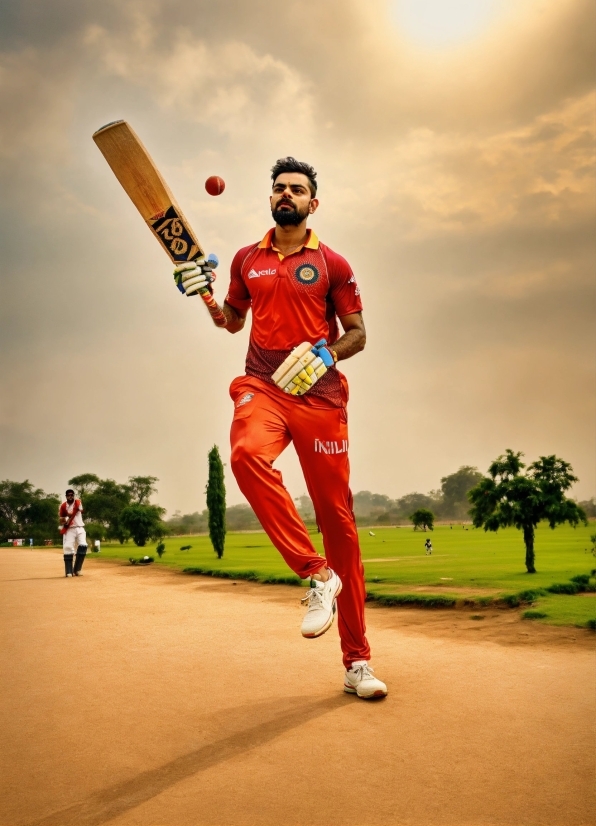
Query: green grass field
<point x="467" y="566"/>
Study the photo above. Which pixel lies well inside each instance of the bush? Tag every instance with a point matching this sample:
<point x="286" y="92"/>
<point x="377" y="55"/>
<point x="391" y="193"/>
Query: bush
<point x="160" y="549"/>
<point x="563" y="588"/>
<point x="591" y="624"/>
<point x="532" y="615"/>
<point x="523" y="597"/>
<point x="415" y="600"/>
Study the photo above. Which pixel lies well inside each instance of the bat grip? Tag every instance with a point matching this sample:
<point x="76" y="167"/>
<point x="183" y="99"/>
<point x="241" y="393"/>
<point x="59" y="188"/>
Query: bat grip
<point x="215" y="310"/>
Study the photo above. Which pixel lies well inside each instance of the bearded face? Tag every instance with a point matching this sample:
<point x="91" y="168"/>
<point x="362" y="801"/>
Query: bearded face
<point x="285" y="213"/>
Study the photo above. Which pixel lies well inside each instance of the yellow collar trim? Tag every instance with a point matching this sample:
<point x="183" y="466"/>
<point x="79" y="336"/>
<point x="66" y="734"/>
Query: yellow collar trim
<point x="312" y="242"/>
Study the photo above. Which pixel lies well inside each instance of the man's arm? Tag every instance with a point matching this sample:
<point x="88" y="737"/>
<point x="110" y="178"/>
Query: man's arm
<point x="235" y="318"/>
<point x="353" y="339"/>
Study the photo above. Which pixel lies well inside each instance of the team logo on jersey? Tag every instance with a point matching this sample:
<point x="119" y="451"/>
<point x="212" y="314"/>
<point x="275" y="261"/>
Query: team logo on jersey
<point x="245" y="399"/>
<point x="307" y="274"/>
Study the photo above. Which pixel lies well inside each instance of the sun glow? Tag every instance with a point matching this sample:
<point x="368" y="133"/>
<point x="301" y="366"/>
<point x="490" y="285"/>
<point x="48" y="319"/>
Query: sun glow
<point x="443" y="23"/>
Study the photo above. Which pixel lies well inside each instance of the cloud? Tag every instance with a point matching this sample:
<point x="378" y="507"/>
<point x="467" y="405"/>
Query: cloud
<point x="458" y="183"/>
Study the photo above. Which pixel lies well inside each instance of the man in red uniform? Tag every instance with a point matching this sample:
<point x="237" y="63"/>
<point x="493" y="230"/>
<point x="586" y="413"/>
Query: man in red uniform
<point x="292" y="391"/>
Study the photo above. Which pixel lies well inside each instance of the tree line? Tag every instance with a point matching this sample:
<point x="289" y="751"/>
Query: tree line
<point x="112" y="510"/>
<point x="115" y="511"/>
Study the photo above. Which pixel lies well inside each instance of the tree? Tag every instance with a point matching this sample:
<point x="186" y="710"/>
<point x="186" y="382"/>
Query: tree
<point x="143" y="522"/>
<point x="104" y="504"/>
<point x="241" y="518"/>
<point x="141" y="489"/>
<point x="305" y="507"/>
<point x="216" y="502"/>
<point x="95" y="530"/>
<point x="454" y="489"/>
<point x="84" y="484"/>
<point x="589" y="507"/>
<point x="510" y="498"/>
<point x="188" y="523"/>
<point x="26" y="511"/>
<point x="423" y="518"/>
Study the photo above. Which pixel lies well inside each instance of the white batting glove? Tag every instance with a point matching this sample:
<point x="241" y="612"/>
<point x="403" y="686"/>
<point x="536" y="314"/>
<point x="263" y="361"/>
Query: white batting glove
<point x="196" y="276"/>
<point x="303" y="368"/>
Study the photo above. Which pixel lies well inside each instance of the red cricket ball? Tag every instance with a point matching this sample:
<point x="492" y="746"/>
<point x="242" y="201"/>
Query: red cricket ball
<point x="215" y="185"/>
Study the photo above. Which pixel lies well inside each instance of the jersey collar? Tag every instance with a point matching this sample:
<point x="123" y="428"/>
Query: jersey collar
<point x="312" y="242"/>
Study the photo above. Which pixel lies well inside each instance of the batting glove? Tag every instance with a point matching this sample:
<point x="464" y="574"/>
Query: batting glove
<point x="303" y="368"/>
<point x="196" y="276"/>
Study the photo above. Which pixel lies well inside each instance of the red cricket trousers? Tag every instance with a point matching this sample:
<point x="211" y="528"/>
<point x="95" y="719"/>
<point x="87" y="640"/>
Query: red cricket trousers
<point x="265" y="422"/>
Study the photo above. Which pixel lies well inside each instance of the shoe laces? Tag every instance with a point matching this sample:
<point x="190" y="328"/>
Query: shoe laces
<point x="314" y="597"/>
<point x="362" y="671"/>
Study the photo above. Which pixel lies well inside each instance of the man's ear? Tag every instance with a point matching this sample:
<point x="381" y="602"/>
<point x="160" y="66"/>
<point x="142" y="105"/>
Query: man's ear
<point x="312" y="207"/>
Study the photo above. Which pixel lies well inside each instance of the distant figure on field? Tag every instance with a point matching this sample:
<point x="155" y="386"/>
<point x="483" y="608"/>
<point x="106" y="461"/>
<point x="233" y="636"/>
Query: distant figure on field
<point x="74" y="538"/>
<point x="97" y="546"/>
<point x="30" y="542"/>
<point x="429" y="547"/>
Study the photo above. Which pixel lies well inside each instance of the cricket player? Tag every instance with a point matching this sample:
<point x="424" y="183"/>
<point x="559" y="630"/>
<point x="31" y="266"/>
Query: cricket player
<point x="74" y="538"/>
<point x="292" y="391"/>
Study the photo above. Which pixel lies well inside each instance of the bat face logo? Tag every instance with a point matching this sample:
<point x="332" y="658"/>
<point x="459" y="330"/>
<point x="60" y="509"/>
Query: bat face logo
<point x="175" y="237"/>
<point x="307" y="274"/>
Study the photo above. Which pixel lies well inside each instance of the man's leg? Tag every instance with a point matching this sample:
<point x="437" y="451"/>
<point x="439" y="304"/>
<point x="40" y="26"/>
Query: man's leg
<point x="321" y="441"/>
<point x="259" y="434"/>
<point x="81" y="551"/>
<point x="68" y="540"/>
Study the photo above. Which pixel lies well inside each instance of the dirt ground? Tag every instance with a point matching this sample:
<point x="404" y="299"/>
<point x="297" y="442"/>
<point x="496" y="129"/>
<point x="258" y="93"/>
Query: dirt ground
<point x="144" y="697"/>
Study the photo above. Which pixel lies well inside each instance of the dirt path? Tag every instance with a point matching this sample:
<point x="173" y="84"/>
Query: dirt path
<point x="141" y="697"/>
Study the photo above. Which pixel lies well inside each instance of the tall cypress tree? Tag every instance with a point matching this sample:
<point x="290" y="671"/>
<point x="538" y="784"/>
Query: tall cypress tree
<point x="216" y="502"/>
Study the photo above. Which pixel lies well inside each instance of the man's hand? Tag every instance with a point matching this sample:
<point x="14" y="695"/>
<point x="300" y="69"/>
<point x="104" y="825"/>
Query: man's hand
<point x="196" y="276"/>
<point x="303" y="367"/>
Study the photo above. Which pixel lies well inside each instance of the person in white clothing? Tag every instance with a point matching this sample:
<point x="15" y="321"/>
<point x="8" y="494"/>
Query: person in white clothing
<point x="74" y="538"/>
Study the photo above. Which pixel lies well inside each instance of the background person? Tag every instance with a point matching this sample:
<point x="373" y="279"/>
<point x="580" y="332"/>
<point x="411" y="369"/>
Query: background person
<point x="74" y="538"/>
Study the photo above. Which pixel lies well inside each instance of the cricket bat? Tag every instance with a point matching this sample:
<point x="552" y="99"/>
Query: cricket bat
<point x="139" y="177"/>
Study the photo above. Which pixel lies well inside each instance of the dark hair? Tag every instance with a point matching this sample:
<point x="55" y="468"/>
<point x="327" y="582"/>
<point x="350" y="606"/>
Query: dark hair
<point x="290" y="164"/>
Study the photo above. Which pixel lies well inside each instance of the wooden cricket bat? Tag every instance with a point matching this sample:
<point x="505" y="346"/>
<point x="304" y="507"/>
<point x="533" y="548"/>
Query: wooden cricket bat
<point x="132" y="165"/>
<point x="140" y="179"/>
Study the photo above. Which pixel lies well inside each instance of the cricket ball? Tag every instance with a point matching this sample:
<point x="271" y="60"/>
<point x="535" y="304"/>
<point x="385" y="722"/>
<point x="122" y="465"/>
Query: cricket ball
<point x="215" y="185"/>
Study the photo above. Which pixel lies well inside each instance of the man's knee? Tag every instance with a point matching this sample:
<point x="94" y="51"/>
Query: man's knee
<point x="245" y="461"/>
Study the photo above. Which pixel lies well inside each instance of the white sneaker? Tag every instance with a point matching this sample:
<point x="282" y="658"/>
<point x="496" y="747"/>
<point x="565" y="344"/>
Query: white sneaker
<point x="321" y="605"/>
<point x="361" y="680"/>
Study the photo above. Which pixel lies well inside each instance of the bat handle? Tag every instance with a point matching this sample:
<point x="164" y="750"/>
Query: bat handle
<point x="215" y="310"/>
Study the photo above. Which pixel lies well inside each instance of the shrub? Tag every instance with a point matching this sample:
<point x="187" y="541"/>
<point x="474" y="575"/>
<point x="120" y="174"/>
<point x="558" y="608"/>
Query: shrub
<point x="414" y="600"/>
<point x="563" y="588"/>
<point x="160" y="549"/>
<point x="532" y="615"/>
<point x="591" y="624"/>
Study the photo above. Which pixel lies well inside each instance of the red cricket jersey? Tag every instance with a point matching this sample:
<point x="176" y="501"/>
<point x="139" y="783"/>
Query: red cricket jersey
<point x="293" y="298"/>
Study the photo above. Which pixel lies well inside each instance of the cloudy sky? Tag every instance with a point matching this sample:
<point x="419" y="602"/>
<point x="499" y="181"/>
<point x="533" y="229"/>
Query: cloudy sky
<point x="454" y="142"/>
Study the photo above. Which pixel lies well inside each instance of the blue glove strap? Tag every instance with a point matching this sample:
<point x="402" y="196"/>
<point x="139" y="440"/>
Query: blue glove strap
<point x="326" y="357"/>
<point x="320" y="349"/>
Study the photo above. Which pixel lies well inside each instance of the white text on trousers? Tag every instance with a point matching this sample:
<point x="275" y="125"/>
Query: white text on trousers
<point x="331" y="447"/>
